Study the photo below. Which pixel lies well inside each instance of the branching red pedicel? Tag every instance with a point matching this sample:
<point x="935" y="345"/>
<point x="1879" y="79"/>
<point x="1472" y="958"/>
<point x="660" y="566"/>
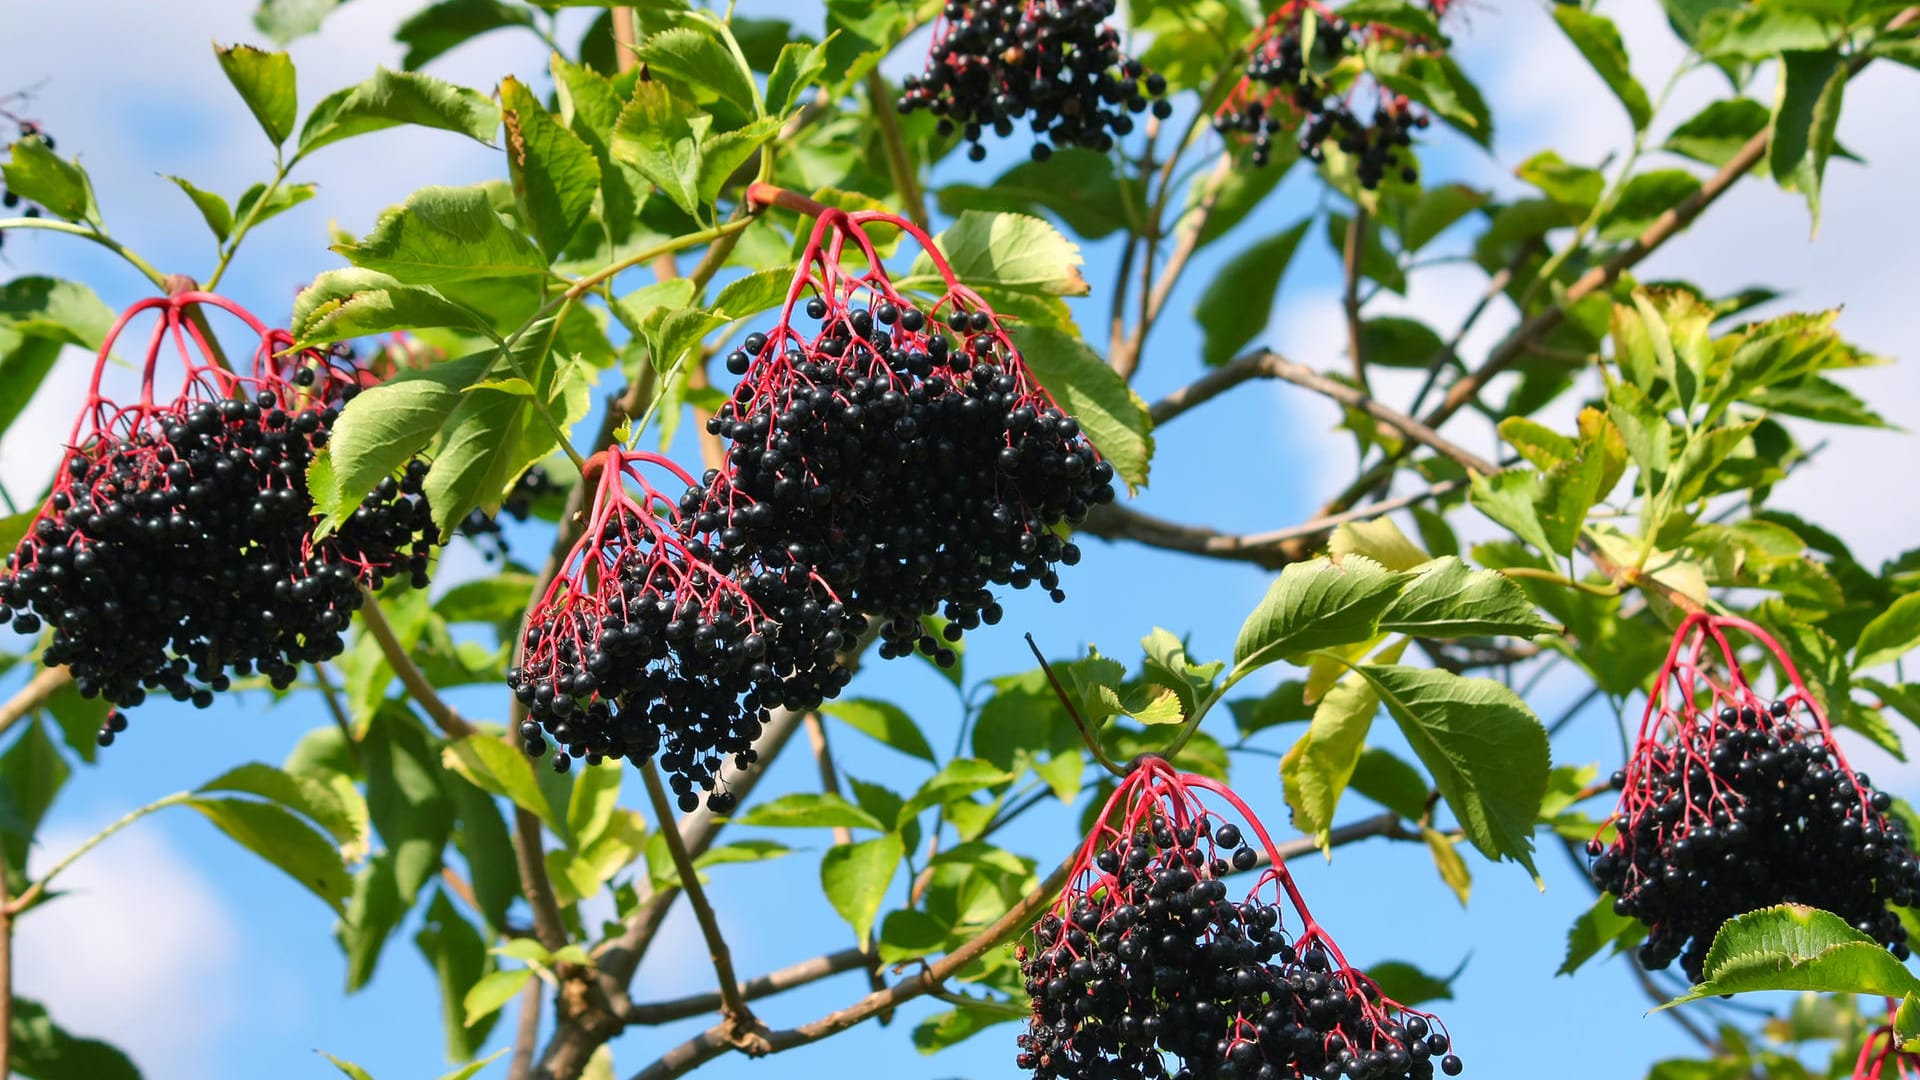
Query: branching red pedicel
<point x="176" y="548"/>
<point x="1882" y="1049"/>
<point x="1733" y="802"/>
<point x="1286" y="90"/>
<point x="910" y="469"/>
<point x="1145" y="956"/>
<point x="1055" y="64"/>
<point x="652" y="639"/>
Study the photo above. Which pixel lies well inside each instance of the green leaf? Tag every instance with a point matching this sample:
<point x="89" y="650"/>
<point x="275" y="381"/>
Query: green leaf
<point x="797" y="67"/>
<point x="1891" y="635"/>
<point x="1791" y="947"/>
<point x="1447" y="599"/>
<point x="1718" y="132"/>
<point x="491" y="992"/>
<point x="1167" y="665"/>
<point x="1446" y="859"/>
<point x="1509" y="498"/>
<point x="1317" y="604"/>
<point x="724" y="154"/>
<point x="1597" y="929"/>
<point x="804" y="810"/>
<point x="1642" y="425"/>
<point x="884" y="721"/>
<point x="856" y="876"/>
<point x="1392" y="783"/>
<point x="499" y="769"/>
<point x="392" y="98"/>
<point x="42" y="1050"/>
<point x="285" y="20"/>
<point x="1574" y="186"/>
<point x="441" y="235"/>
<point x="266" y="83"/>
<point x="1380" y="540"/>
<point x="66" y="312"/>
<point x="660" y="140"/>
<point x="318" y="801"/>
<point x="1806" y="109"/>
<point x="353" y="1071"/>
<point x="385" y="426"/>
<point x="1486" y="750"/>
<point x="1112" y="415"/>
<point x="1395" y="13"/>
<point x="283" y="198"/>
<point x="1393" y="341"/>
<point x="1317" y="769"/>
<point x="754" y="293"/>
<point x="1599" y="41"/>
<point x="277" y="836"/>
<point x="957" y="779"/>
<point x="442" y="27"/>
<point x="944" y="1029"/>
<point x="351" y="303"/>
<point x="596" y="791"/>
<point x="496" y="434"/>
<point x="694" y="56"/>
<point x="555" y="175"/>
<point x="212" y="207"/>
<point x="481" y="834"/>
<point x="1238" y="303"/>
<point x="1438" y="209"/>
<point x="1004" y="251"/>
<point x="471" y="1068"/>
<point x="32" y="772"/>
<point x="1644" y="199"/>
<point x="38" y="175"/>
<point x="1408" y="985"/>
<point x="1438" y="83"/>
<point x="459" y="959"/>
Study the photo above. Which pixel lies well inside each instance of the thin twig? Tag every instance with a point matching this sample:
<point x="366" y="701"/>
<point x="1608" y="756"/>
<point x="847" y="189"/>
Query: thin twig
<point x="733" y="1008"/>
<point x="774" y="982"/>
<point x="411" y="677"/>
<point x="42" y="686"/>
<point x="1271" y="550"/>
<point x="830" y="784"/>
<point x="526" y="1031"/>
<point x="334" y="709"/>
<point x="529" y="852"/>
<point x="1350" y="262"/>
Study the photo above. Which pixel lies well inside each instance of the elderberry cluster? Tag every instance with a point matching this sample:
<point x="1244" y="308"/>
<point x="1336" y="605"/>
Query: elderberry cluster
<point x="177" y="554"/>
<point x="1748" y="810"/>
<point x="675" y="647"/>
<point x="485" y="531"/>
<point x="1282" y="92"/>
<point x="909" y="469"/>
<point x="1160" y="962"/>
<point x="1052" y="63"/>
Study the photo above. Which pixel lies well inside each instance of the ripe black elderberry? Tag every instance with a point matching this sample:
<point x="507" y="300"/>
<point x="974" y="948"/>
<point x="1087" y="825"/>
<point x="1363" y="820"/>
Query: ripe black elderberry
<point x="11" y="200"/>
<point x="1289" y="87"/>
<point x="1732" y="803"/>
<point x="907" y="456"/>
<point x="656" y="639"/>
<point x="485" y="531"/>
<point x="177" y="550"/>
<point x="1147" y="957"/>
<point x="1053" y="64"/>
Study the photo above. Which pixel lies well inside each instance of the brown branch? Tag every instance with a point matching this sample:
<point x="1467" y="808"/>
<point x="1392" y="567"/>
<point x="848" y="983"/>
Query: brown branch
<point x="526" y="1032"/>
<point x="735" y="1015"/>
<point x="626" y="38"/>
<point x="1272" y="550"/>
<point x="1664" y="228"/>
<point x="335" y="709"/>
<point x="1186" y="241"/>
<point x="418" y="688"/>
<point x="1350" y="261"/>
<point x="42" y="686"/>
<point x="6" y="976"/>
<point x="773" y="982"/>
<point x="712" y="1043"/>
<point x="529" y="852"/>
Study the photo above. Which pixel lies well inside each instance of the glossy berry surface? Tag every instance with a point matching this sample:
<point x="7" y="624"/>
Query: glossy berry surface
<point x="177" y="549"/>
<point x="1054" y="67"/>
<point x="654" y="640"/>
<point x="1152" y="965"/>
<point x="1732" y="803"/>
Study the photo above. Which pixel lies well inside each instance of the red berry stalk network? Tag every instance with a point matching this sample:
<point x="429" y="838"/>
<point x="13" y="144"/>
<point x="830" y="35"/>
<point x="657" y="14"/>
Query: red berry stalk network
<point x="650" y="637"/>
<point x="1882" y="1049"/>
<point x="1733" y="801"/>
<point x="899" y="447"/>
<point x="176" y="548"/>
<point x="1145" y="956"/>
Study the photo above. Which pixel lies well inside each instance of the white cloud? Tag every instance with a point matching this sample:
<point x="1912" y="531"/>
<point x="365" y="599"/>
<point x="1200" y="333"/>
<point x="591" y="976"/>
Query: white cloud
<point x="140" y="951"/>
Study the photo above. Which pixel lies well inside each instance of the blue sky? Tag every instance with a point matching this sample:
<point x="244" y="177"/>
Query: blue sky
<point x="206" y="963"/>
